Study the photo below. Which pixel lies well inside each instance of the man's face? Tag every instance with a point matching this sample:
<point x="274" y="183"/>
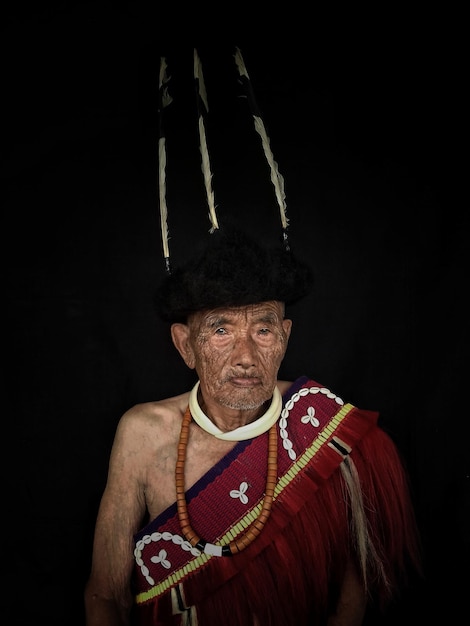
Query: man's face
<point x="237" y="352"/>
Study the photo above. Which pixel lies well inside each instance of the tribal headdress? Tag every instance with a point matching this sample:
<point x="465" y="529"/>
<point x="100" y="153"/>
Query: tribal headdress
<point x="230" y="268"/>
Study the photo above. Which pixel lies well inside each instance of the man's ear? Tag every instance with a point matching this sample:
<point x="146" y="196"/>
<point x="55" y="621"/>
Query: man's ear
<point x="180" y="337"/>
<point x="287" y="326"/>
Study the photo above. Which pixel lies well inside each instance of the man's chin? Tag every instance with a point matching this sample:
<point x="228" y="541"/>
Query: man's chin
<point x="240" y="401"/>
<point x="243" y="406"/>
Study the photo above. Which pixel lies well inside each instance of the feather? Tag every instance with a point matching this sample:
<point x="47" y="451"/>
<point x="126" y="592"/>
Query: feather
<point x="203" y="108"/>
<point x="276" y="177"/>
<point x="164" y="100"/>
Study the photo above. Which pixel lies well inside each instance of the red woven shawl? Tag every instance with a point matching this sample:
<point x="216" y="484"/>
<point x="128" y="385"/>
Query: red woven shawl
<point x="291" y="573"/>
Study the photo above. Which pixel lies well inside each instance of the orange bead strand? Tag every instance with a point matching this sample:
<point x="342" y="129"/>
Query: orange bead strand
<point x="255" y="528"/>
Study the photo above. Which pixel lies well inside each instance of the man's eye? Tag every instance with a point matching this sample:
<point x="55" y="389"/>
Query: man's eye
<point x="220" y="331"/>
<point x="264" y="331"/>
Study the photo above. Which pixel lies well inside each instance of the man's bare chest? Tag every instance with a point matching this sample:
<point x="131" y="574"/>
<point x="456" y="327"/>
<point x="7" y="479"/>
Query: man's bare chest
<point x="201" y="456"/>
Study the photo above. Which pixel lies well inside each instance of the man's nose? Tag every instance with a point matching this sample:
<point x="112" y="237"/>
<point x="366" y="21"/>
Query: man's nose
<point x="244" y="352"/>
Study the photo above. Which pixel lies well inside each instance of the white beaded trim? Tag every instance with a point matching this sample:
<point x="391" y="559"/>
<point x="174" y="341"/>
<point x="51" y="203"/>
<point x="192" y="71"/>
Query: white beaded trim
<point x="309" y="417"/>
<point x="161" y="557"/>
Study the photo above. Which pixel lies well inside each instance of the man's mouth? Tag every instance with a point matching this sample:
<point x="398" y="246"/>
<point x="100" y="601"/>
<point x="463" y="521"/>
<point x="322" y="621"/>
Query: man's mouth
<point x="245" y="382"/>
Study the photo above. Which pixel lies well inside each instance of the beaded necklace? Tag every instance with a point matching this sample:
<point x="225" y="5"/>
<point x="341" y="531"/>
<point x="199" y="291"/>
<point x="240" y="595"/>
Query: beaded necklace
<point x="254" y="529"/>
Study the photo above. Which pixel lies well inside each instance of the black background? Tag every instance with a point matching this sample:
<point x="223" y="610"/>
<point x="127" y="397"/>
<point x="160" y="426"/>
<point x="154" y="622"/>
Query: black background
<point x="364" y="112"/>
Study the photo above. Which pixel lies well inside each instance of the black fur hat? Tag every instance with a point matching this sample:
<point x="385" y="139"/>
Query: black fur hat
<point x="232" y="270"/>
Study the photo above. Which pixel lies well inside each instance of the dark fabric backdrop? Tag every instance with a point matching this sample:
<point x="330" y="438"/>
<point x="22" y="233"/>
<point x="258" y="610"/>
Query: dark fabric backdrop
<point x="364" y="116"/>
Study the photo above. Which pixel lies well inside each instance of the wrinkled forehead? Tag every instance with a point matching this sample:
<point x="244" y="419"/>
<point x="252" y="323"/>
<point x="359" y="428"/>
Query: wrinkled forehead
<point x="271" y="311"/>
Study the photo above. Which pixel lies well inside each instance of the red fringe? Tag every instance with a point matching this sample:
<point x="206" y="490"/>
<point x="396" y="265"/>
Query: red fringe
<point x="390" y="512"/>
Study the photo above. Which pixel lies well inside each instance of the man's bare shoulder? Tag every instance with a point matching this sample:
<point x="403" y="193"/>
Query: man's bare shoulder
<point x="157" y="421"/>
<point x="143" y="457"/>
<point x="159" y="409"/>
<point x="284" y="385"/>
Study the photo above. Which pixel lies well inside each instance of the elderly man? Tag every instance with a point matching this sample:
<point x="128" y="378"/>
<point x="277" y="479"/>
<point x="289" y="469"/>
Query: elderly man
<point x="247" y="500"/>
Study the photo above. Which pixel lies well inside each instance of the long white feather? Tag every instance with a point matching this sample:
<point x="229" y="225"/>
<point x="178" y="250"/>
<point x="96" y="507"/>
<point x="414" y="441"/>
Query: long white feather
<point x="205" y="160"/>
<point x="276" y="177"/>
<point x="166" y="99"/>
<point x="162" y="196"/>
